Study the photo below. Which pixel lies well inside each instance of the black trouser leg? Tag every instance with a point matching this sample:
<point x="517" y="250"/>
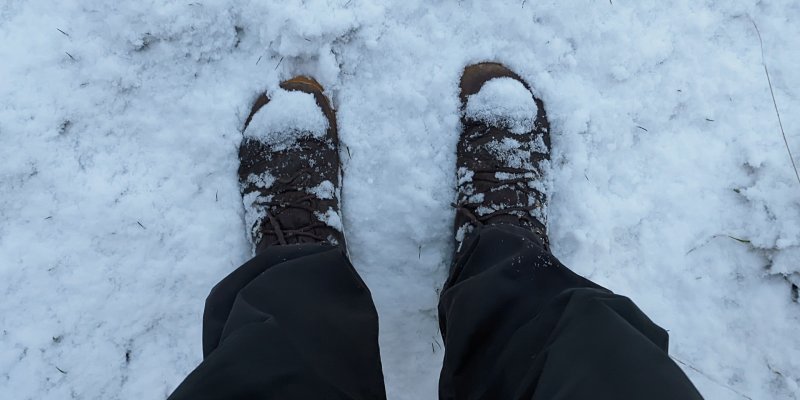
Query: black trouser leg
<point x="295" y="322"/>
<point x="517" y="324"/>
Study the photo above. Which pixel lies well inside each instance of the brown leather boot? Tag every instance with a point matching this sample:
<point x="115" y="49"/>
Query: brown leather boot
<point x="289" y="170"/>
<point x="500" y="161"/>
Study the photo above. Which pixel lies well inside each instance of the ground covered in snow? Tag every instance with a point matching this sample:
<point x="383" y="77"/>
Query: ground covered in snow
<point x="119" y="209"/>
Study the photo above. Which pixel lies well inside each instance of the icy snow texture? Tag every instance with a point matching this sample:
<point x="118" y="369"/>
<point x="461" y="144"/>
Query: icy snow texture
<point x="331" y="218"/>
<point x="288" y="116"/>
<point x="120" y="206"/>
<point x="510" y="151"/>
<point x="263" y="180"/>
<point x="324" y="190"/>
<point x="255" y="210"/>
<point x="503" y="102"/>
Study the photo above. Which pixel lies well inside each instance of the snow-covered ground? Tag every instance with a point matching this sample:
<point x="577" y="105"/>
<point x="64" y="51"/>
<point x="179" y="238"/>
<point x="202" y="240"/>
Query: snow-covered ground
<point x="119" y="208"/>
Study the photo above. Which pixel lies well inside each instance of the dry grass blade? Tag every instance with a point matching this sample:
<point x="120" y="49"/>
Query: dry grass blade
<point x="774" y="102"/>
<point x="709" y="377"/>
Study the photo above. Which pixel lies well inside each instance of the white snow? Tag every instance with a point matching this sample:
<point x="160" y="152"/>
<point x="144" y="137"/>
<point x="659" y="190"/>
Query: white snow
<point x="325" y="190"/>
<point x="511" y="152"/>
<point x="503" y="102"/>
<point x="263" y="180"/>
<point x="120" y="205"/>
<point x="254" y="210"/>
<point x="288" y="116"/>
<point x="461" y="234"/>
<point x="331" y="218"/>
<point x="465" y="175"/>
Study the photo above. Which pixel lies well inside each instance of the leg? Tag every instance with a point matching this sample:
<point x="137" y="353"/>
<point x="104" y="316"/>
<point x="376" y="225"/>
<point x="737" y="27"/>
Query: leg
<point x="517" y="324"/>
<point x="295" y="322"/>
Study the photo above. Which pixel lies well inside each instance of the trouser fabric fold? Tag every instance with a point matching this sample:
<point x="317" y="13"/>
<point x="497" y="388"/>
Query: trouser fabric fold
<point x="518" y="324"/>
<point x="297" y="322"/>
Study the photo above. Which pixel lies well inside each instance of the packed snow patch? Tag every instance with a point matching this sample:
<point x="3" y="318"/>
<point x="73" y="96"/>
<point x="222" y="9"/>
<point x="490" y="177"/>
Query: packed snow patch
<point x="288" y="116"/>
<point x="511" y="152"/>
<point x="325" y="190"/>
<point x="503" y="102"/>
<point x="464" y="175"/>
<point x="331" y="218"/>
<point x="254" y="210"/>
<point x="263" y="180"/>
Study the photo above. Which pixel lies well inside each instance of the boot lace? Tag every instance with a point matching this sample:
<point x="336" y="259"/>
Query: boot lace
<point x="516" y="180"/>
<point x="284" y="200"/>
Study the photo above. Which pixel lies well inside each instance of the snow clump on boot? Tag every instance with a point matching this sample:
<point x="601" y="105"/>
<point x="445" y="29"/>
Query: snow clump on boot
<point x="503" y="103"/>
<point x="288" y="116"/>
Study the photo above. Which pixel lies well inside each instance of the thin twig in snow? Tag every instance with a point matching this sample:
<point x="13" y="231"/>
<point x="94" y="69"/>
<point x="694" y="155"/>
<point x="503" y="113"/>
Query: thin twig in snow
<point x="65" y="33"/>
<point x="740" y="240"/>
<point x="279" y="63"/>
<point x="710" y="378"/>
<point x="774" y="102"/>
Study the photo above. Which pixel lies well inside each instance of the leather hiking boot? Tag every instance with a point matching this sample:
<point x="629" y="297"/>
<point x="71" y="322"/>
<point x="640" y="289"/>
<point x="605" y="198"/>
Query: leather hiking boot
<point x="503" y="151"/>
<point x="289" y="170"/>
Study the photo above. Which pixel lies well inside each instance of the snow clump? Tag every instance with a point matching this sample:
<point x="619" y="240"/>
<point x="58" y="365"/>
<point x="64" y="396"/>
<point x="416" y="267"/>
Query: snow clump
<point x="287" y="117"/>
<point x="503" y="102"/>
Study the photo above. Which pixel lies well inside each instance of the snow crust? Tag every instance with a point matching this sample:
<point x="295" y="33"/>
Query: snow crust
<point x="324" y="190"/>
<point x="331" y="218"/>
<point x="263" y="180"/>
<point x="120" y="206"/>
<point x="511" y="152"/>
<point x="288" y="116"/>
<point x="503" y="102"/>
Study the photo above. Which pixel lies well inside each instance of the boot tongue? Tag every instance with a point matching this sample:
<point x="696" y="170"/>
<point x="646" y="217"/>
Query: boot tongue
<point x="503" y="103"/>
